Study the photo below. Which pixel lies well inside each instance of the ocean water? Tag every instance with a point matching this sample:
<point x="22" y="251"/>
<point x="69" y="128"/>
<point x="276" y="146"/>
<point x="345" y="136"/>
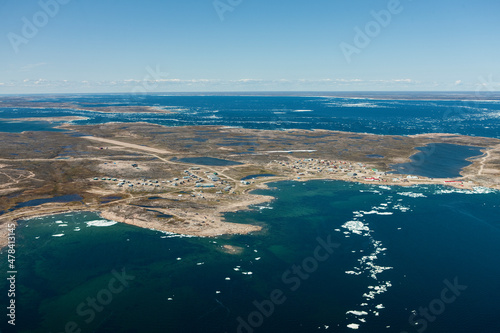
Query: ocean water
<point x="334" y="257"/>
<point x="378" y="116"/>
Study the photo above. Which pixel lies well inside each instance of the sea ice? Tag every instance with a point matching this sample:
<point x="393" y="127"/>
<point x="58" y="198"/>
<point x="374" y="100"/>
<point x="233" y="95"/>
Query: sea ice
<point x="100" y="223"/>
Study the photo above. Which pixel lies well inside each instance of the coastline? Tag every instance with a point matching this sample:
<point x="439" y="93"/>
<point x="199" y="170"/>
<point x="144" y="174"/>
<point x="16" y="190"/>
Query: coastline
<point x="212" y="223"/>
<point x="143" y="173"/>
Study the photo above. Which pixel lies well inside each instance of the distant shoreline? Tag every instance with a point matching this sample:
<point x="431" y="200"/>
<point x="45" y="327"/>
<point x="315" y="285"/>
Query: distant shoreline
<point x="371" y="95"/>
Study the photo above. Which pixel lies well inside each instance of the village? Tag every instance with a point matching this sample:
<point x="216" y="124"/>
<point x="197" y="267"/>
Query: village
<point x="196" y="181"/>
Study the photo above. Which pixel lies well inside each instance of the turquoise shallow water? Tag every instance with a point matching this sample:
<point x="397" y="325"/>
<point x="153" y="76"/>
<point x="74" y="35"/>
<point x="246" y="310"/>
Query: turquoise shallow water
<point x="392" y="249"/>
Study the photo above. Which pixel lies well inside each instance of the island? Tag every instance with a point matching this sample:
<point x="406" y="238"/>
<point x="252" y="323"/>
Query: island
<point x="182" y="179"/>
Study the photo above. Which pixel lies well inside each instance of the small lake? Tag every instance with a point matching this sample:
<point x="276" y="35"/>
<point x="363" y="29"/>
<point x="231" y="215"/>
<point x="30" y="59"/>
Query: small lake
<point x="207" y="161"/>
<point x="438" y="160"/>
<point x="38" y="202"/>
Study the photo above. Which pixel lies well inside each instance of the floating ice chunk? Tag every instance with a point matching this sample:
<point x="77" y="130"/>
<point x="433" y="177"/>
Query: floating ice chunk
<point x="380" y="306"/>
<point x="475" y="190"/>
<point x="63" y="225"/>
<point x="170" y="299"/>
<point x="58" y="235"/>
<point x="356" y="227"/>
<point x="217" y="291"/>
<point x="357" y="214"/>
<point x="412" y="194"/>
<point x="227" y="279"/>
<point x="200" y="263"/>
<point x="353" y="326"/>
<point x="258" y="258"/>
<point x="100" y="223"/>
<point x="357" y="313"/>
<point x="179" y="258"/>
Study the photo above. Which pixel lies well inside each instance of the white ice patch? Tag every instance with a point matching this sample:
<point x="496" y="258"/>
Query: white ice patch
<point x="356" y="227"/>
<point x="100" y="223"/>
<point x="402" y="208"/>
<point x="412" y="194"/>
<point x="353" y="326"/>
<point x="377" y="290"/>
<point x="58" y="235"/>
<point x="169" y="234"/>
<point x="475" y="190"/>
<point x="357" y="313"/>
<point x="361" y="105"/>
<point x="367" y="263"/>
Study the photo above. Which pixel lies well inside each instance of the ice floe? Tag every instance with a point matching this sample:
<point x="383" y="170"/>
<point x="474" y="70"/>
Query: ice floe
<point x="356" y="227"/>
<point x="412" y="194"/>
<point x="475" y="190"/>
<point x="100" y="223"/>
<point x="357" y="313"/>
<point x="168" y="234"/>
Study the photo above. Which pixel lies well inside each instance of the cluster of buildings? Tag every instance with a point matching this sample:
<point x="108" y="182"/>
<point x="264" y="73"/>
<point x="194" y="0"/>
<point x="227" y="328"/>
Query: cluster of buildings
<point x="311" y="166"/>
<point x="199" y="179"/>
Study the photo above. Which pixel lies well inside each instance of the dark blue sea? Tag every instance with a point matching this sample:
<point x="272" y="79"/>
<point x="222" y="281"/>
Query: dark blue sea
<point x="394" y="117"/>
<point x="333" y="256"/>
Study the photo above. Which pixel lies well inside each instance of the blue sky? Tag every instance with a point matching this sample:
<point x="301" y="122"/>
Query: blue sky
<point x="248" y="45"/>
